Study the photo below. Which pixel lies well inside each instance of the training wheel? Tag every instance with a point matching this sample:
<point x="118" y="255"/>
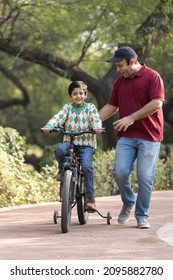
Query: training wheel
<point x="109" y="218"/>
<point x="55" y="217"/>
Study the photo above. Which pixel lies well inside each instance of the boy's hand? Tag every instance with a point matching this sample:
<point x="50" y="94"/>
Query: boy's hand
<point x="99" y="130"/>
<point x="46" y="130"/>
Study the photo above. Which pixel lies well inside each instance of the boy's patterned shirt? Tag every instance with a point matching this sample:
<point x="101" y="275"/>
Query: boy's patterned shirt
<point x="78" y="119"/>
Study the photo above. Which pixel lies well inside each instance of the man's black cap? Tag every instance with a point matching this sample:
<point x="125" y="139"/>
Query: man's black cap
<point x="123" y="53"/>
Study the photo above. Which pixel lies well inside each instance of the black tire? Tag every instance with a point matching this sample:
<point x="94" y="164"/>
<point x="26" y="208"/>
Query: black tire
<point x="109" y="218"/>
<point x="81" y="204"/>
<point x="55" y="217"/>
<point x="66" y="206"/>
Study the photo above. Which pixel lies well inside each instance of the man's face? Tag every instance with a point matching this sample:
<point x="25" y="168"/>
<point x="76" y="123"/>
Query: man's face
<point x="125" y="69"/>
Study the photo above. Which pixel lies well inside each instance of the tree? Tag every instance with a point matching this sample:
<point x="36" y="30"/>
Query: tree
<point x="15" y="80"/>
<point x="27" y="28"/>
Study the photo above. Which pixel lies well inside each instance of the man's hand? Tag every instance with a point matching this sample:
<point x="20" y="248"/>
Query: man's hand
<point x="149" y="109"/>
<point x="123" y="123"/>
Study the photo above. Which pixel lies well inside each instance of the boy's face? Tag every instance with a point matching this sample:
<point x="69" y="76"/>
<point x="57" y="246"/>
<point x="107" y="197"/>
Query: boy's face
<point x="78" y="96"/>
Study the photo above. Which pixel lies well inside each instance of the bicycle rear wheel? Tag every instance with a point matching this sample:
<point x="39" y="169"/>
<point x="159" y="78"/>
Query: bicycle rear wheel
<point x="81" y="203"/>
<point x="66" y="206"/>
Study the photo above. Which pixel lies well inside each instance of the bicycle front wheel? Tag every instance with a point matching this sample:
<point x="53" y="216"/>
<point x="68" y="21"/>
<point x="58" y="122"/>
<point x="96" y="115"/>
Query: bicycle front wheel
<point x="81" y="203"/>
<point x="66" y="206"/>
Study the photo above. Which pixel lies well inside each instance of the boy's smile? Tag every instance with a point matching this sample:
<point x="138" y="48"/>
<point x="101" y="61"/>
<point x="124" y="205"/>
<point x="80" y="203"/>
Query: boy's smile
<point x="78" y="96"/>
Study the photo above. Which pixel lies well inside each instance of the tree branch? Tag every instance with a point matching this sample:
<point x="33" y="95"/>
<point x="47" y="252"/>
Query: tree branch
<point x="15" y="80"/>
<point x="156" y="26"/>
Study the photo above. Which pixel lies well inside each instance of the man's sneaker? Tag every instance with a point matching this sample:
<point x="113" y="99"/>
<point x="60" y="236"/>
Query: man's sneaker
<point x="90" y="203"/>
<point x="124" y="215"/>
<point x="143" y="223"/>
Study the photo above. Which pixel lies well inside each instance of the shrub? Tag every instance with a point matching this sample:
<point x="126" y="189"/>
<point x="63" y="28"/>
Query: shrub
<point x="103" y="165"/>
<point x="164" y="173"/>
<point x="18" y="186"/>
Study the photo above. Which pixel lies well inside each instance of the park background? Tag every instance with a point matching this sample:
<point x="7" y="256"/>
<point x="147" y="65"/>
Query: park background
<point x="44" y="45"/>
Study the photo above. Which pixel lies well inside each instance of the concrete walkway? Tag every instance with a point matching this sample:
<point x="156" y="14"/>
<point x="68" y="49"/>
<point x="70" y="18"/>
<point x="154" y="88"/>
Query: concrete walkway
<point x="28" y="233"/>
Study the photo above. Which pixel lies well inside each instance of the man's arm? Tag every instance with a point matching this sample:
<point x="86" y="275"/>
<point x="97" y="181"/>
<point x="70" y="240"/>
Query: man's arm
<point x="149" y="109"/>
<point x="107" y="111"/>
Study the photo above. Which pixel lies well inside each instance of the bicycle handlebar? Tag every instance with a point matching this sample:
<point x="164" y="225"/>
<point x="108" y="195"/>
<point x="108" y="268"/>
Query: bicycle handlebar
<point x="60" y="129"/>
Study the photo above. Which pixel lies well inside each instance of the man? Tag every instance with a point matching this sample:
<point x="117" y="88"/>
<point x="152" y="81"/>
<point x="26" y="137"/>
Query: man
<point x="138" y="96"/>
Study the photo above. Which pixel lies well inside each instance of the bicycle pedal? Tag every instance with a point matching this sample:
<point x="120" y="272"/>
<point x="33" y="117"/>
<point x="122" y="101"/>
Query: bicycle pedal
<point x="91" y="210"/>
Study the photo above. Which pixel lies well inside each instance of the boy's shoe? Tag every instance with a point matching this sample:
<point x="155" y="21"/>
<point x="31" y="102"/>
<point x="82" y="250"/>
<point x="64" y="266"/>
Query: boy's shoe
<point x="90" y="203"/>
<point x="58" y="177"/>
<point x="143" y="223"/>
<point x="125" y="213"/>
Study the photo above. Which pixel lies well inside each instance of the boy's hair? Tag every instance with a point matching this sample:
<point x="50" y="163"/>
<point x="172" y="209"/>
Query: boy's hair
<point x="77" y="84"/>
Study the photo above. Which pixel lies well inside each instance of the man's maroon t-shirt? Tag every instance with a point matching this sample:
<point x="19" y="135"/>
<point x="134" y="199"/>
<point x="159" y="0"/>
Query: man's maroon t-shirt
<point x="130" y="95"/>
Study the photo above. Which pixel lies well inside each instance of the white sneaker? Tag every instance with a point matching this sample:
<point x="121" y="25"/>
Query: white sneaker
<point x="143" y="223"/>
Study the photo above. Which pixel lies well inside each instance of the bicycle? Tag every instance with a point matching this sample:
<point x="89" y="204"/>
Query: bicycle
<point x="72" y="186"/>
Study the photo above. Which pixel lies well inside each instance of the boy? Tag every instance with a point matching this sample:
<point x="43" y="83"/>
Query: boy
<point x="78" y="116"/>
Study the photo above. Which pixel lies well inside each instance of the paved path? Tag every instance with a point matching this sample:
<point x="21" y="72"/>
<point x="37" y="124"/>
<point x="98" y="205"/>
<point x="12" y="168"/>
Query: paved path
<point x="29" y="233"/>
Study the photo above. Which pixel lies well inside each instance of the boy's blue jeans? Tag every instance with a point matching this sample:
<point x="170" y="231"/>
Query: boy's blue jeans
<point x="145" y="153"/>
<point x="86" y="157"/>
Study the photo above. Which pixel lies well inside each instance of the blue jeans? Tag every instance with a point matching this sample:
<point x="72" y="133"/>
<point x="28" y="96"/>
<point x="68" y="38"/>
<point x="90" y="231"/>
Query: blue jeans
<point x="86" y="157"/>
<point x="145" y="153"/>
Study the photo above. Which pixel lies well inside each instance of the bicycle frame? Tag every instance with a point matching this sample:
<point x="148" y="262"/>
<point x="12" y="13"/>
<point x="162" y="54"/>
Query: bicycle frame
<point x="73" y="164"/>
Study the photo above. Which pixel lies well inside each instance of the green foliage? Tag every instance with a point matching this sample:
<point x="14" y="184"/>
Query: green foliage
<point x="104" y="182"/>
<point x="48" y="157"/>
<point x="17" y="185"/>
<point x="164" y="173"/>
